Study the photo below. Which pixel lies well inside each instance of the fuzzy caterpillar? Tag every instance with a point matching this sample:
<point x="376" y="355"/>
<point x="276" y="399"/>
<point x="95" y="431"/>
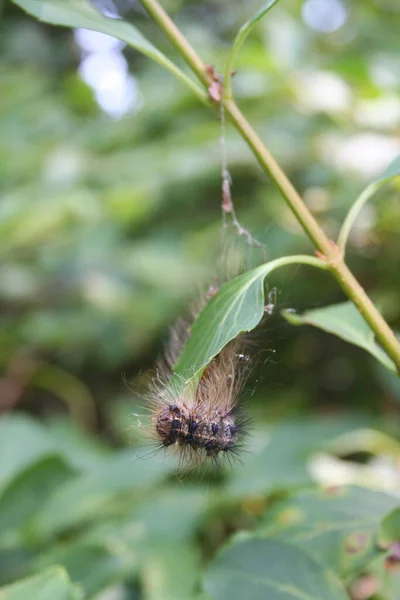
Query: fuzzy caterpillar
<point x="205" y="422"/>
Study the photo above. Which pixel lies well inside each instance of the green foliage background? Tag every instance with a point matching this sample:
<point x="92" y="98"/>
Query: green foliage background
<point x="107" y="229"/>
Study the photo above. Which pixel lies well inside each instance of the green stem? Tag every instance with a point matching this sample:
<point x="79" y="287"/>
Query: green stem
<point x="354" y="212"/>
<point x="271" y="167"/>
<point x="326" y="248"/>
<point x="296" y="259"/>
<point x="192" y="85"/>
<point x="240" y="38"/>
<point x="329" y="250"/>
<point x="238" y="43"/>
<point x="176" y="38"/>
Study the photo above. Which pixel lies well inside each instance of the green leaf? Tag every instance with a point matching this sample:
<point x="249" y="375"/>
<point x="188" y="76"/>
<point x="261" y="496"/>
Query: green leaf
<point x="25" y="495"/>
<point x="390" y="529"/>
<point x="82" y="451"/>
<point x="17" y="433"/>
<point x="91" y="495"/>
<point x="114" y="552"/>
<point x="390" y="173"/>
<point x="258" y="569"/>
<point x="52" y="584"/>
<point x="173" y="514"/>
<point x="391" y="580"/>
<point x="237" y="307"/>
<point x="240" y="39"/>
<point x="387" y="574"/>
<point x="15" y="563"/>
<point x="282" y="462"/>
<point x="155" y="536"/>
<point x="171" y="571"/>
<point x="92" y="566"/>
<point x="338" y="526"/>
<point x="345" y="321"/>
<point x="169" y="514"/>
<point x="393" y="170"/>
<point x="81" y="13"/>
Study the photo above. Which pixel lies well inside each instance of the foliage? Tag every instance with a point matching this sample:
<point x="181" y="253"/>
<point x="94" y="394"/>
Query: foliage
<point x="81" y="13"/>
<point x="272" y="569"/>
<point x="110" y="519"/>
<point x="52" y="583"/>
<point x="107" y="226"/>
<point x="237" y="307"/>
<point x="346" y="322"/>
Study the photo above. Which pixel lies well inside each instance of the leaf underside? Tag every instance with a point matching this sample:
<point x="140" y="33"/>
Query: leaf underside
<point x="344" y="321"/>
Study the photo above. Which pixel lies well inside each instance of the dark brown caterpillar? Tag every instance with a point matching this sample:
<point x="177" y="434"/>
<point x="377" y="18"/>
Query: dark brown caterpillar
<point x="206" y="421"/>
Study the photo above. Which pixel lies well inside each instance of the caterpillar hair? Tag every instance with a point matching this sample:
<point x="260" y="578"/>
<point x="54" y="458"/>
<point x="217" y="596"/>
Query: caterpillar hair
<point x="206" y="421"/>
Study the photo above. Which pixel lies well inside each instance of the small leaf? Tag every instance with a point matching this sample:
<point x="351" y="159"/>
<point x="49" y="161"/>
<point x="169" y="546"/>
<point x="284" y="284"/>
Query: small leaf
<point x="390" y="173"/>
<point x="52" y="584"/>
<point x="81" y="13"/>
<point x="259" y="14"/>
<point x="241" y="37"/>
<point x="260" y="569"/>
<point x="338" y="526"/>
<point x="345" y="321"/>
<point x="237" y="307"/>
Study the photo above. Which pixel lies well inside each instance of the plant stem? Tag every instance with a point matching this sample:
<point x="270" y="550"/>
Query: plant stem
<point x="286" y="188"/>
<point x="243" y="33"/>
<point x="330" y="252"/>
<point x="176" y="38"/>
<point x="367" y="308"/>
<point x="355" y="209"/>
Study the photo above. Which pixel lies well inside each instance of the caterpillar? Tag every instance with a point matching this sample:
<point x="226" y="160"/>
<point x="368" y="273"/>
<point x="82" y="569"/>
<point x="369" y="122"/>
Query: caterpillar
<point x="205" y="422"/>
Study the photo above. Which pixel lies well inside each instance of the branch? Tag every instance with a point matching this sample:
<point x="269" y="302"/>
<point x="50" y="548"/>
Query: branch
<point x="326" y="249"/>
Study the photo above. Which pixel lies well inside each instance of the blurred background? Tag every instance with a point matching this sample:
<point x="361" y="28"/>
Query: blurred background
<point x="110" y="222"/>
